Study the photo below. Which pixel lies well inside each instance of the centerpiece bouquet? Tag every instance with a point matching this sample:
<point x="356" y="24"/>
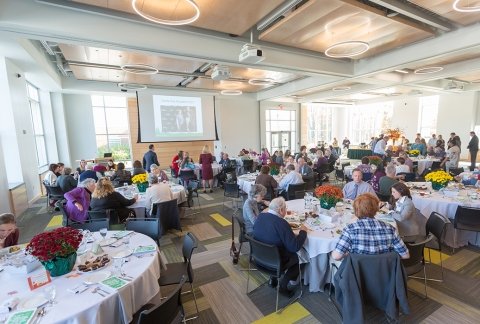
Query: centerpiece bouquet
<point x="439" y="179"/>
<point x="56" y="249"/>
<point x="141" y="181"/>
<point x="274" y="169"/>
<point x="393" y="133"/>
<point x="328" y="195"/>
<point x="375" y="160"/>
<point x="414" y="152"/>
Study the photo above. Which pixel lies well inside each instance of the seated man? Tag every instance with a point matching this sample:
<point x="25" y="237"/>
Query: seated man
<point x="292" y="177"/>
<point x="385" y="184"/>
<point x="401" y="166"/>
<point x="88" y="173"/>
<point x="356" y="187"/>
<point x="305" y="171"/>
<point x="271" y="228"/>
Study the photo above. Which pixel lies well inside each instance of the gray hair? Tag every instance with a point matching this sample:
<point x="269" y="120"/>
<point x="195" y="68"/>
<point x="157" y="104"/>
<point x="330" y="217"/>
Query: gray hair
<point x="153" y="167"/>
<point x="390" y="169"/>
<point x="152" y="178"/>
<point x="257" y="190"/>
<point x="290" y="167"/>
<point x="67" y="171"/>
<point x="277" y="204"/>
<point x="86" y="182"/>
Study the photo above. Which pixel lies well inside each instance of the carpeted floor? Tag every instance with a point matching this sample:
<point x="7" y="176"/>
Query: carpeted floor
<point x="221" y="286"/>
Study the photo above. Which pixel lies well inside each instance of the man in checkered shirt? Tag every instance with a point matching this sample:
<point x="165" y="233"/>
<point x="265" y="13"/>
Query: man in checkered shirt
<point x="368" y="235"/>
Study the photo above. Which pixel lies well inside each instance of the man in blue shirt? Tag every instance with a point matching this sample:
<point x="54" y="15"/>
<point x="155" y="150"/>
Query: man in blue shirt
<point x="271" y="228"/>
<point x="356" y="187"/>
<point x="292" y="177"/>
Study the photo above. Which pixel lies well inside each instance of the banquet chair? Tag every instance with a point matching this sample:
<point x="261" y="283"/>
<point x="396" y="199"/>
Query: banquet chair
<point x="242" y="235"/>
<point x="53" y="193"/>
<point x="185" y="176"/>
<point x="384" y="198"/>
<point x="231" y="190"/>
<point x="339" y="176"/>
<point x="408" y="176"/>
<point x="147" y="226"/>
<point x="455" y="171"/>
<point x="190" y="203"/>
<point x="367" y="176"/>
<point x="169" y="310"/>
<point x="310" y="181"/>
<point x="111" y="214"/>
<point x="293" y="188"/>
<point x="467" y="219"/>
<point x="437" y="225"/>
<point x="65" y="218"/>
<point x="175" y="271"/>
<point x="416" y="262"/>
<point x="93" y="225"/>
<point x="267" y="259"/>
<point x="167" y="214"/>
<point x="247" y="166"/>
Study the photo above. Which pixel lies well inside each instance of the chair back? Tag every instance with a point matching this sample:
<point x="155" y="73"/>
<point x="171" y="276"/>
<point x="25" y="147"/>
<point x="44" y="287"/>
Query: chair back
<point x="147" y="226"/>
<point x="93" y="225"/>
<point x="436" y="165"/>
<point x="416" y="261"/>
<point x="170" y="310"/>
<point x="367" y="176"/>
<point x="345" y="164"/>
<point x="54" y="191"/>
<point x="455" y="171"/>
<point x="168" y="215"/>
<point x="310" y="181"/>
<point x="467" y="218"/>
<point x="293" y="188"/>
<point x="340" y="175"/>
<point x="409" y="176"/>
<point x="437" y="225"/>
<point x="231" y="190"/>
<point x="247" y="165"/>
<point x="187" y="175"/>
<point x="266" y="256"/>
<point x="383" y="198"/>
<point x="241" y="224"/>
<point x="189" y="244"/>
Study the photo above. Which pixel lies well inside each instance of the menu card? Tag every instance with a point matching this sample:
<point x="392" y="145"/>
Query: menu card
<point x="22" y="317"/>
<point x="121" y="234"/>
<point x="39" y="280"/>
<point x="114" y="282"/>
<point x="145" y="249"/>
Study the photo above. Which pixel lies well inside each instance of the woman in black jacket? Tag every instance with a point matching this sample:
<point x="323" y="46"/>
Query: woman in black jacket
<point x="105" y="197"/>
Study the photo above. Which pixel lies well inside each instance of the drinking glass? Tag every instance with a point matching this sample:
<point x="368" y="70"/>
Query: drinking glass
<point x="103" y="233"/>
<point x="50" y="292"/>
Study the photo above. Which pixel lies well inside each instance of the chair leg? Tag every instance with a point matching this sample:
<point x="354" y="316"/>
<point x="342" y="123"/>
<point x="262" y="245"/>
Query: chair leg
<point x="425" y="280"/>
<point x="454" y="239"/>
<point x="196" y="306"/>
<point x="293" y="299"/>
<point x="248" y="272"/>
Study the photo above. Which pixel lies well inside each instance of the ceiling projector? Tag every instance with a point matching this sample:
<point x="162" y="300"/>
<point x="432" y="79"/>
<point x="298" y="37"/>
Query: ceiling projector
<point x="251" y="54"/>
<point x="220" y="72"/>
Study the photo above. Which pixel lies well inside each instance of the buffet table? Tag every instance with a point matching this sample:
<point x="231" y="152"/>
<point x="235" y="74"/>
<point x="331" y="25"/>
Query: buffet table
<point x="358" y="154"/>
<point x="116" y="306"/>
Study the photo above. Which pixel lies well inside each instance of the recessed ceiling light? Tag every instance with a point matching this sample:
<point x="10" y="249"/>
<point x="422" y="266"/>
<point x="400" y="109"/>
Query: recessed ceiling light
<point x="340" y="50"/>
<point x="402" y="71"/>
<point x="231" y="92"/>
<point x="394" y="94"/>
<point x="344" y="88"/>
<point x="132" y="86"/>
<point x="428" y="70"/>
<point x="261" y="82"/>
<point x="139" y="69"/>
<point x="167" y="21"/>
<point x="458" y="7"/>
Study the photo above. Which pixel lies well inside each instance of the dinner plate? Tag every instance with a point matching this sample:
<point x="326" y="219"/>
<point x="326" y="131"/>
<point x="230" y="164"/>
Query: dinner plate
<point x="121" y="254"/>
<point x="33" y="301"/>
<point x="107" y="242"/>
<point x="97" y="277"/>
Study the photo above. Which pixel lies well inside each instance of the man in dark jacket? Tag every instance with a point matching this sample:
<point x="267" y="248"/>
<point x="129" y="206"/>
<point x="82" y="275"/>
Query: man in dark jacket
<point x="271" y="228"/>
<point x="473" y="148"/>
<point x="150" y="158"/>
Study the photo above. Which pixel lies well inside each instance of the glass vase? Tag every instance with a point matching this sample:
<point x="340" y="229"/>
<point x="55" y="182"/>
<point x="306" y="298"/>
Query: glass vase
<point x="142" y="187"/>
<point x="327" y="203"/>
<point x="60" y="265"/>
<point x="437" y="185"/>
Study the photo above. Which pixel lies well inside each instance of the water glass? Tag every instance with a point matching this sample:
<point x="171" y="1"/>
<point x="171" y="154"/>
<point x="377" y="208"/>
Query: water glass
<point x="50" y="292"/>
<point x="103" y="232"/>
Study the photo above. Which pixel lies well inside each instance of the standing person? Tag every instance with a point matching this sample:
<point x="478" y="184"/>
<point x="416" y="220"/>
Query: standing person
<point x="346" y="143"/>
<point x="150" y="157"/>
<point x="206" y="161"/>
<point x="380" y="147"/>
<point x="432" y="141"/>
<point x="176" y="161"/>
<point x="473" y="148"/>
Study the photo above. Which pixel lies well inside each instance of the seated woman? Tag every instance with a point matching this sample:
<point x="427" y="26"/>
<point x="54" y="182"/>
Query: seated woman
<point x="418" y="145"/>
<point x="105" y="197"/>
<point x="50" y="178"/>
<point x="8" y="230"/>
<point x="365" y="167"/>
<point x="250" y="207"/>
<point x="439" y="149"/>
<point x="110" y="165"/>
<point x="138" y="168"/>
<point x="266" y="180"/>
<point x="379" y="172"/>
<point x="453" y="155"/>
<point x="161" y="175"/>
<point x="404" y="211"/>
<point x="66" y="181"/>
<point x="81" y="167"/>
<point x="157" y="192"/>
<point x="78" y="200"/>
<point x="121" y="176"/>
<point x="368" y="235"/>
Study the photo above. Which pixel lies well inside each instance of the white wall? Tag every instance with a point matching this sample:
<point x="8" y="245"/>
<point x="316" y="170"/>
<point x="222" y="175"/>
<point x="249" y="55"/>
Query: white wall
<point x="406" y="116"/>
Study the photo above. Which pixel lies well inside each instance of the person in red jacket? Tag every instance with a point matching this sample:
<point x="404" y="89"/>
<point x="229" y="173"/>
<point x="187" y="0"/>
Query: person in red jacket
<point x="176" y="161"/>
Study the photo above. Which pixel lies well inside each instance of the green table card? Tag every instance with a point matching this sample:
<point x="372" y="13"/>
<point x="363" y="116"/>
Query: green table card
<point x="22" y="317"/>
<point x="145" y="249"/>
<point x="114" y="282"/>
<point x="121" y="234"/>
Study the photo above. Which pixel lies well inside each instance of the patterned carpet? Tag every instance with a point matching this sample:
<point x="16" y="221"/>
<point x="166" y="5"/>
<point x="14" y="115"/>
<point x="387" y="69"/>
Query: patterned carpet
<point x="221" y="286"/>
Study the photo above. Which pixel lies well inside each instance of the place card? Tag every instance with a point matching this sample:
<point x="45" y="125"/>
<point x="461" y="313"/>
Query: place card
<point x="114" y="282"/>
<point x="145" y="249"/>
<point x="22" y="317"/>
<point x="39" y="280"/>
<point x="122" y="234"/>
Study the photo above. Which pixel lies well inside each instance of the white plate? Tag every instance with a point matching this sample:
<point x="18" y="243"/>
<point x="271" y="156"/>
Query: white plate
<point x="97" y="277"/>
<point x="33" y="301"/>
<point x="107" y="242"/>
<point x="121" y="254"/>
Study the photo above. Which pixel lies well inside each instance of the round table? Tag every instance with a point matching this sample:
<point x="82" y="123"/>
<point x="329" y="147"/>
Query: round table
<point x="246" y="181"/>
<point x="87" y="307"/>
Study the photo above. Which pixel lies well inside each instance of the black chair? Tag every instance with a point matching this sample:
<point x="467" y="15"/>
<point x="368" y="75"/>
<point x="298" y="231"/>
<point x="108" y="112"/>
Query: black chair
<point x="192" y="189"/>
<point x="247" y="166"/>
<point x="384" y="198"/>
<point x="293" y="188"/>
<point x="231" y="190"/>
<point x="310" y="181"/>
<point x="267" y="259"/>
<point x="339" y="176"/>
<point x="167" y="214"/>
<point x="93" y="225"/>
<point x="175" y="271"/>
<point x="170" y="310"/>
<point x="467" y="219"/>
<point x="65" y="218"/>
<point x="242" y="235"/>
<point x="408" y="176"/>
<point x="367" y="176"/>
<point x="416" y="262"/>
<point x="437" y="225"/>
<point x="323" y="172"/>
<point x="147" y="226"/>
<point x="455" y="171"/>
<point x="53" y="193"/>
<point x="345" y="164"/>
<point x="185" y="176"/>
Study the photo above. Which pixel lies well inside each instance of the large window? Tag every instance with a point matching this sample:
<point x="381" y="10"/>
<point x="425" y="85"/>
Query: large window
<point x="369" y="120"/>
<point x="428" y="116"/>
<point x="280" y="129"/>
<point x="111" y="126"/>
<point x="36" y="113"/>
<point x="319" y="124"/>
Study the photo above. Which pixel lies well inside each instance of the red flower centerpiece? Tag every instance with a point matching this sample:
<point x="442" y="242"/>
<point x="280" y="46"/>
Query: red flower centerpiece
<point x="328" y="195"/>
<point x="56" y="249"/>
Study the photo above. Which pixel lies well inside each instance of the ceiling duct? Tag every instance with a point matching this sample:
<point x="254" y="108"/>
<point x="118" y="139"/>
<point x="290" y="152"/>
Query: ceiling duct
<point x="277" y="13"/>
<point x="454" y="86"/>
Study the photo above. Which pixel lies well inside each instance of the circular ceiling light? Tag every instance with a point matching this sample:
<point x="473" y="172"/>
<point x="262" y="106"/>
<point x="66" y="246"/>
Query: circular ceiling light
<point x="347" y="49"/>
<point x="261" y="82"/>
<point x="458" y="7"/>
<point x="475" y="81"/>
<point x="345" y="88"/>
<point x="231" y="92"/>
<point x="139" y="69"/>
<point x="167" y="21"/>
<point x="428" y="70"/>
<point x="131" y="86"/>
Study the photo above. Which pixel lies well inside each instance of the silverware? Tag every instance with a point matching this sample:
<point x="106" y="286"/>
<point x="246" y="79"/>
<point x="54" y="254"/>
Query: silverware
<point x="103" y="290"/>
<point x="98" y="291"/>
<point x="332" y="234"/>
<point x="40" y="314"/>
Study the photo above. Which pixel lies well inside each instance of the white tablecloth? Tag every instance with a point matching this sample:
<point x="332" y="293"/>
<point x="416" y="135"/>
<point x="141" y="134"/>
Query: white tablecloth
<point x="215" y="167"/>
<point x="423" y="163"/>
<point x="246" y="181"/>
<point x="87" y="307"/>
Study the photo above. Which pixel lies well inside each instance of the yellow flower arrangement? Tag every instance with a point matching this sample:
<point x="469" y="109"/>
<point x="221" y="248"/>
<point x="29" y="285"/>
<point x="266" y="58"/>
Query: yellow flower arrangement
<point x="414" y="152"/>
<point x="140" y="178"/>
<point x="438" y="179"/>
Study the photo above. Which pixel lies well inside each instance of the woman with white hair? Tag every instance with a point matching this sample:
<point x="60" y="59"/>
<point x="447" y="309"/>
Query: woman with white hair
<point x="157" y="192"/>
<point x="250" y="207"/>
<point x="155" y="169"/>
<point x="78" y="200"/>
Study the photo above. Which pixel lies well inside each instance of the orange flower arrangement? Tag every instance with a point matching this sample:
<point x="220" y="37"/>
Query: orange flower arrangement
<point x="328" y="195"/>
<point x="393" y="133"/>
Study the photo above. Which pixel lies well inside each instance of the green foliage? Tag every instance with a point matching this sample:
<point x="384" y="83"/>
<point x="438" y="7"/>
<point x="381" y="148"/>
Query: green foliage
<point x="120" y="152"/>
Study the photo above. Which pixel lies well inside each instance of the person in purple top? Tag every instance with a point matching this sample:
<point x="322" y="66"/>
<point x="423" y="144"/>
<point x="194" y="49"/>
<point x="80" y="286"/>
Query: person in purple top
<point x="78" y="200"/>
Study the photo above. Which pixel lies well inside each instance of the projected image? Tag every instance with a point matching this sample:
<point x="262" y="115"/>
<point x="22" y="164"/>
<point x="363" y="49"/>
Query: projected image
<point x="181" y="116"/>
